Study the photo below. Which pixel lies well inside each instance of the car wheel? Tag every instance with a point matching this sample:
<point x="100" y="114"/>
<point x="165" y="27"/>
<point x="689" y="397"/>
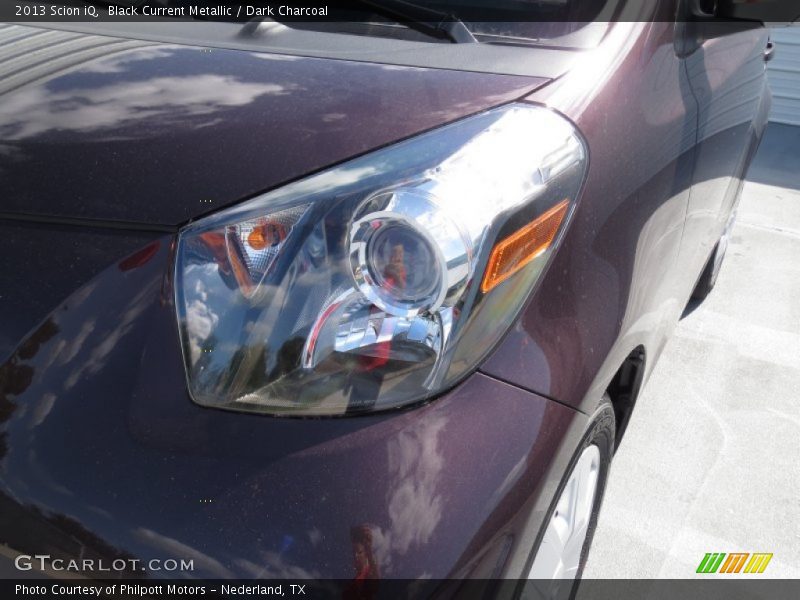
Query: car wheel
<point x="569" y="527"/>
<point x="708" y="278"/>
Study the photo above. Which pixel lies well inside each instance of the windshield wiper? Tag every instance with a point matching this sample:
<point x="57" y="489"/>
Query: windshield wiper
<point x="423" y="19"/>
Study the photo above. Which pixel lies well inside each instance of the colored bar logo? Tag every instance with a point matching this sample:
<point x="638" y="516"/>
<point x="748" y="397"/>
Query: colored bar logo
<point x="736" y="562"/>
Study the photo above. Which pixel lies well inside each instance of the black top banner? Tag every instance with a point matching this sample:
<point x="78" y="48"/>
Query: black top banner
<point x="430" y="11"/>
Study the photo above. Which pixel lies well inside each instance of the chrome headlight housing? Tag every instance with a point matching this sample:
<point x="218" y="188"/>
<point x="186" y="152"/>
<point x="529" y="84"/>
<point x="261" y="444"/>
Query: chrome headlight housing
<point x="380" y="282"/>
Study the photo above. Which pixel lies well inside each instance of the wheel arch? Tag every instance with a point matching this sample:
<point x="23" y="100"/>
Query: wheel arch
<point x="624" y="388"/>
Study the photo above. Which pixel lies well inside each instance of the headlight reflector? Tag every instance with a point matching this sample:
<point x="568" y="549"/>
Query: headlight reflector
<point x="407" y="255"/>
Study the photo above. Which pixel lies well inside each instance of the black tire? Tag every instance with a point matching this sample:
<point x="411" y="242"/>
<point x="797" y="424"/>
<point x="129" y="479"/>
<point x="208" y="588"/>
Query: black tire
<point x="601" y="432"/>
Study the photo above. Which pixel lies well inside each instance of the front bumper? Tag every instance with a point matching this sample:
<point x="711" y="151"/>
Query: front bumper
<point x="104" y="455"/>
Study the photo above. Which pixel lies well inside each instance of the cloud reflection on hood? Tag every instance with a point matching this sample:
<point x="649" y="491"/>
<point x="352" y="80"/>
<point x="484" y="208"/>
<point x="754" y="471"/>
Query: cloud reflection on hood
<point x="37" y="110"/>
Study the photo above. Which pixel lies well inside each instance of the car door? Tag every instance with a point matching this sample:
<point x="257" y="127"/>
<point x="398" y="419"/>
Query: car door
<point x="725" y="66"/>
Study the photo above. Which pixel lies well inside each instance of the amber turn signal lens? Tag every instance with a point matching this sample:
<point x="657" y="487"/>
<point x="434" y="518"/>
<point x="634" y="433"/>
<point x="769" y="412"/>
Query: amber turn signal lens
<point x="256" y="239"/>
<point x="522" y="246"/>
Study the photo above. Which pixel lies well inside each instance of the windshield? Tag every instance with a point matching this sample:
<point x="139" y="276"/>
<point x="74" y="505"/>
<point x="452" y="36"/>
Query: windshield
<point x="562" y="23"/>
<point x="567" y="23"/>
<point x="524" y="13"/>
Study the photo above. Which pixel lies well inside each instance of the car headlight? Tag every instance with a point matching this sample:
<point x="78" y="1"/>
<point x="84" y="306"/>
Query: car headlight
<point x="382" y="281"/>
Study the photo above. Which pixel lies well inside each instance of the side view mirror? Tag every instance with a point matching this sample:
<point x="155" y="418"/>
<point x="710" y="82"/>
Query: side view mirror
<point x="765" y="11"/>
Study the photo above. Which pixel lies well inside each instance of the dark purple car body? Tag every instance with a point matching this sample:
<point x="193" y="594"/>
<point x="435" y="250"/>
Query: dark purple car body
<point x="111" y="141"/>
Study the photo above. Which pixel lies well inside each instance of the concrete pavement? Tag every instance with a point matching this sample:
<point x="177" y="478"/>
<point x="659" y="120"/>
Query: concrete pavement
<point x="711" y="458"/>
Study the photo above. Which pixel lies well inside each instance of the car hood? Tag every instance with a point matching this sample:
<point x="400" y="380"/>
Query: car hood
<point x="148" y="133"/>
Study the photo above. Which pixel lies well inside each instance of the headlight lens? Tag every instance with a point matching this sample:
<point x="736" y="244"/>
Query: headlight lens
<point x="380" y="282"/>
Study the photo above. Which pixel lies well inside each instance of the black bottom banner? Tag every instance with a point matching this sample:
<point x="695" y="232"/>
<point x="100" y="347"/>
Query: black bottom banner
<point x="372" y="589"/>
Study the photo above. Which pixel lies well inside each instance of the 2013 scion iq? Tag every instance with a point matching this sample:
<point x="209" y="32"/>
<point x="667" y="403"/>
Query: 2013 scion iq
<point x="352" y="299"/>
